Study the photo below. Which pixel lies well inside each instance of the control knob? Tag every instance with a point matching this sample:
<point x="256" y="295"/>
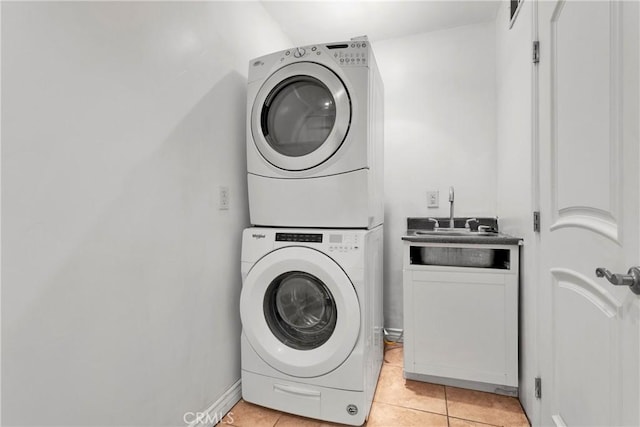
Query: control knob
<point x="299" y="52"/>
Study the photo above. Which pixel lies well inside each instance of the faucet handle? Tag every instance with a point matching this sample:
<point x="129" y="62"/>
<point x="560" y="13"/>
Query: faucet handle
<point x="436" y="224"/>
<point x="467" y="223"/>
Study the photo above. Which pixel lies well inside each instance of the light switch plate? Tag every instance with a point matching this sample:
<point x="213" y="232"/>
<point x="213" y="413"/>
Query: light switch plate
<point x="433" y="199"/>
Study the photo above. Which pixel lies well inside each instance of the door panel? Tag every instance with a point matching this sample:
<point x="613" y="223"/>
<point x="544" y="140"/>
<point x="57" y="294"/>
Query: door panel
<point x="585" y="79"/>
<point x="588" y="142"/>
<point x="579" y="347"/>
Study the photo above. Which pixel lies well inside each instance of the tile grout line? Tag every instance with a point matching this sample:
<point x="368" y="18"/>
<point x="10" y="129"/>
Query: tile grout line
<point x="410" y="408"/>
<point x="277" y="419"/>
<point x="446" y="405"/>
<point x="476" y="422"/>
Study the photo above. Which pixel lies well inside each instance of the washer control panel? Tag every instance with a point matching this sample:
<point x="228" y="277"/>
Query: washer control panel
<point x="299" y="237"/>
<point x="343" y="242"/>
<point x="331" y="241"/>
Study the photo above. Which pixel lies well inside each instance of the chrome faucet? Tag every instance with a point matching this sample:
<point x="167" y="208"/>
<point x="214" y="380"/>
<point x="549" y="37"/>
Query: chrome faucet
<point x="436" y="225"/>
<point x="451" y="223"/>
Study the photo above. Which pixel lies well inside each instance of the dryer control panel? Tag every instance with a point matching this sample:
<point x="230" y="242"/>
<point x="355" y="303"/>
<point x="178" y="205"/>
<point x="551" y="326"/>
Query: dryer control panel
<point x="308" y="52"/>
<point x="353" y="53"/>
<point x="349" y="54"/>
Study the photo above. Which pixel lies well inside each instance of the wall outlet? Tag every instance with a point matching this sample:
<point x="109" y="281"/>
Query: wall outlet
<point x="433" y="199"/>
<point x="223" y="201"/>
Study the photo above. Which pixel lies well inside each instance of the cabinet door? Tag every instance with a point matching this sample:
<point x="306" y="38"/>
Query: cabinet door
<point x="462" y="326"/>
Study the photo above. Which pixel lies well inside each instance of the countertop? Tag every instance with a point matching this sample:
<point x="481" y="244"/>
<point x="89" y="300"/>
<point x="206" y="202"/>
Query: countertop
<point x="494" y="239"/>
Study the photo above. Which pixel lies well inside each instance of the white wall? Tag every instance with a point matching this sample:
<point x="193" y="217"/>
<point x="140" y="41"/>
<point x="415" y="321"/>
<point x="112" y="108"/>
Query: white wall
<point x="516" y="190"/>
<point x="440" y="131"/>
<point x="120" y="277"/>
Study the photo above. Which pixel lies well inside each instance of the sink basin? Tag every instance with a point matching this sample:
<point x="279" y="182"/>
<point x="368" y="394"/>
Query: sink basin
<point x="460" y="257"/>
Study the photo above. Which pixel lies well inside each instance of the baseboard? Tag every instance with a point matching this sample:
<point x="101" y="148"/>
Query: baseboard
<point x="214" y="413"/>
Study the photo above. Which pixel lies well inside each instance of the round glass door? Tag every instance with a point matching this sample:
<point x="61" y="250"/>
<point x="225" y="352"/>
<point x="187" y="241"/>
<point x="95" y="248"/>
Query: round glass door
<point x="300" y="310"/>
<point x="300" y="116"/>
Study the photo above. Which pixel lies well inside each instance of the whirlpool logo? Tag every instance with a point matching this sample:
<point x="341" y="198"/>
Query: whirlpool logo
<point x="258" y="236"/>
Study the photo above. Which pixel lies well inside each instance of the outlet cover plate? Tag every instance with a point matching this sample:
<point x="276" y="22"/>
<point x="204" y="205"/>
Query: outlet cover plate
<point x="223" y="200"/>
<point x="433" y="199"/>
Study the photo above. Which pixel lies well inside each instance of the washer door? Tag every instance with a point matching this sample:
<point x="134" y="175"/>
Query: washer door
<point x="300" y="116"/>
<point x="300" y="312"/>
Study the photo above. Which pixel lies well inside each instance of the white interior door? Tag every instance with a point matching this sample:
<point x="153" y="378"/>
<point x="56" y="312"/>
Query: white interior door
<point x="589" y="157"/>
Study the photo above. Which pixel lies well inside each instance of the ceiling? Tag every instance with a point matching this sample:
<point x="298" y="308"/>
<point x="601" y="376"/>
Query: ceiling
<point x="308" y="22"/>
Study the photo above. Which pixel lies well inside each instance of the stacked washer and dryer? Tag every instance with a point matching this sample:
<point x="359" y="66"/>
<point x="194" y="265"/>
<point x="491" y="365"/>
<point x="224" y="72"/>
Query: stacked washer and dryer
<point x="311" y="302"/>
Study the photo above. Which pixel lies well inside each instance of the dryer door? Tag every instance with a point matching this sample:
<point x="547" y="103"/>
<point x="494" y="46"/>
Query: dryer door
<point x="300" y="116"/>
<point x="300" y="311"/>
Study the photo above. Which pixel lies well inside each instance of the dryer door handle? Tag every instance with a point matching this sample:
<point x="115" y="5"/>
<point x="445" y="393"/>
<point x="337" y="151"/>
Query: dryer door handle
<point x="298" y="391"/>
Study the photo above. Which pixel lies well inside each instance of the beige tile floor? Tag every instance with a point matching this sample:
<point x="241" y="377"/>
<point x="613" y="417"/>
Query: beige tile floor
<point x="400" y="402"/>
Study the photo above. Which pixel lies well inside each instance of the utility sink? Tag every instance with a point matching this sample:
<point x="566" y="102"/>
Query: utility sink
<point x="474" y="242"/>
<point x="451" y="256"/>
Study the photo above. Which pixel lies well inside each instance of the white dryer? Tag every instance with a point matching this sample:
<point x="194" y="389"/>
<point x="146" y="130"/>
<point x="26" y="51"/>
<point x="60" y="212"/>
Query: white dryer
<point x="311" y="310"/>
<point x="315" y="137"/>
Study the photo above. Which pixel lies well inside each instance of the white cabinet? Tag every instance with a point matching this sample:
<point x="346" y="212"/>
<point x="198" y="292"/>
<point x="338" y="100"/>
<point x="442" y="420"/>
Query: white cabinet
<point x="461" y="323"/>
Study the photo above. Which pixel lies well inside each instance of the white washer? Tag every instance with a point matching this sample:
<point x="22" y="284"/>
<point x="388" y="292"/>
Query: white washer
<point x="315" y="137"/>
<point x="311" y="310"/>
